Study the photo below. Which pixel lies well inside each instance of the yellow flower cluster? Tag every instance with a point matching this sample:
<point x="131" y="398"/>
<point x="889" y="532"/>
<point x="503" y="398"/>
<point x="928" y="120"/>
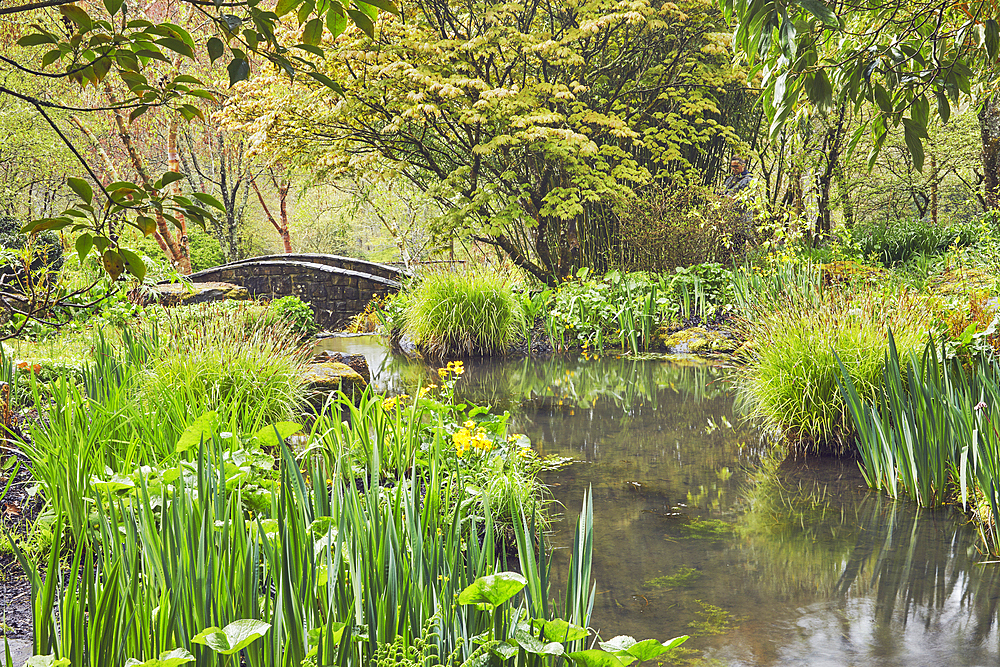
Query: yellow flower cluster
<point x="428" y="389"/>
<point x="453" y="367"/>
<point x="390" y="404"/>
<point x="468" y="438"/>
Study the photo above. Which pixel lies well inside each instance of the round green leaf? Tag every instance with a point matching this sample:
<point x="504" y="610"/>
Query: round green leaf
<point x="493" y="589"/>
<point x="234" y="637"/>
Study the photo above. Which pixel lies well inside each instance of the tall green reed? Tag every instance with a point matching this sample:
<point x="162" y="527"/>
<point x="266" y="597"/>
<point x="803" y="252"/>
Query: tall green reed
<point x="931" y="432"/>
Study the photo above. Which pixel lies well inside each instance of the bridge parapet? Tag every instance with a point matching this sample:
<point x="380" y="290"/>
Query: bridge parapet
<point x="335" y="291"/>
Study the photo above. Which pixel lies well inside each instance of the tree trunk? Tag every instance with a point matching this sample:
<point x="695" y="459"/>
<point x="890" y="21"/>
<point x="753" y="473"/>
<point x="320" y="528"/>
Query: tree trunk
<point x="989" y="125"/>
<point x="281" y="224"/>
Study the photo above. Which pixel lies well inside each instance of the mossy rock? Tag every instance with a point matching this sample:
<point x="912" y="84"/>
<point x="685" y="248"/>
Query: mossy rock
<point x="699" y="340"/>
<point x="960" y="281"/>
<point x="326" y="378"/>
<point x="178" y="294"/>
<point x="847" y="271"/>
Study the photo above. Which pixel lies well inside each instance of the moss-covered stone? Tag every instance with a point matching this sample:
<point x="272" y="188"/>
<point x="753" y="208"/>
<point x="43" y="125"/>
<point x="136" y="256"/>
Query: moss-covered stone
<point x="960" y="281"/>
<point x="325" y="378"/>
<point x="699" y="340"/>
<point x="177" y="294"/>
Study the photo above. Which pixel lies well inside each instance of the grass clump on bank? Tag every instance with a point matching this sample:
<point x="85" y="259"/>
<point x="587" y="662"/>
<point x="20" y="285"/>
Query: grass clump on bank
<point x="464" y="314"/>
<point x="790" y="379"/>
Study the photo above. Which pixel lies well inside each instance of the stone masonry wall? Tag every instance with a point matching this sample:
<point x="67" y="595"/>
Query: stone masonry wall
<point x="335" y="293"/>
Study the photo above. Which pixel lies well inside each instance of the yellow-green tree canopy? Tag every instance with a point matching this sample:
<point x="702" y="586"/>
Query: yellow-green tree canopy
<point x="519" y="118"/>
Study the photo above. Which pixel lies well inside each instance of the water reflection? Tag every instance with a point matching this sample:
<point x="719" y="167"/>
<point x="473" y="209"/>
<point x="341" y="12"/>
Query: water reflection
<point x="699" y="532"/>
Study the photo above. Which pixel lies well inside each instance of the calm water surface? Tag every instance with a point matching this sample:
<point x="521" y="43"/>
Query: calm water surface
<point x="698" y="532"/>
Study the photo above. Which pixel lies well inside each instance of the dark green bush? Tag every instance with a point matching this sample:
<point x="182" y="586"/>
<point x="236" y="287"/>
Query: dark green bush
<point x="295" y="312"/>
<point x="46" y="249"/>
<point x="663" y="228"/>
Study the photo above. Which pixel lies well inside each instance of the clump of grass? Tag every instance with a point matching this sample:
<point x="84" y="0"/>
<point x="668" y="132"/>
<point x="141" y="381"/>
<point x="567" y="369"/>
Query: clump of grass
<point x="791" y="376"/>
<point x="476" y="313"/>
<point x="252" y="373"/>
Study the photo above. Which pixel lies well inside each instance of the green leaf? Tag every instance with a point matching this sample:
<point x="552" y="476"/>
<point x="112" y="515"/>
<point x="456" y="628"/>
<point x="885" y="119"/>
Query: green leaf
<point x="285" y="6"/>
<point x="84" y="243"/>
<point x="177" y="46"/>
<point x="595" y="658"/>
<point x="78" y="16"/>
<point x="313" y="32"/>
<point x="113" y="263"/>
<point x="368" y="10"/>
<point x="275" y="434"/>
<point x="915" y="146"/>
<point x="215" y="49"/>
<point x="36" y="39"/>
<point x="113" y="6"/>
<point x="168" y="178"/>
<point x="558" y="630"/>
<point x="81" y="188"/>
<point x="882" y="98"/>
<point x="208" y="199"/>
<point x="178" y="656"/>
<point x="386" y="5"/>
<point x="820" y="11"/>
<point x="200" y="430"/>
<point x="50" y="57"/>
<point x="239" y="70"/>
<point x="327" y="81"/>
<point x="944" y="108"/>
<point x="136" y="266"/>
<point x="535" y="646"/>
<point x="145" y="224"/>
<point x="991" y="37"/>
<point x="336" y="23"/>
<point x="234" y="637"/>
<point x="138" y="111"/>
<point x="618" y="644"/>
<point x="362" y="21"/>
<point x="920" y="111"/>
<point x="493" y="589"/>
<point x="648" y="649"/>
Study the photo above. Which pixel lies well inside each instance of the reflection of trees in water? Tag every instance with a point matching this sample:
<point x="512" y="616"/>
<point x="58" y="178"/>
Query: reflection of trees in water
<point x="575" y="381"/>
<point x="804" y="540"/>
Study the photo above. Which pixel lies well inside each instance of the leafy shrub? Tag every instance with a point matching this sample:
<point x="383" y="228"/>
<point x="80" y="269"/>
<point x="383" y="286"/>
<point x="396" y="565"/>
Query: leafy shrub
<point x="293" y="311"/>
<point x="45" y="248"/>
<point x="791" y="376"/>
<point x="897" y="241"/>
<point x="681" y="226"/>
<point x="476" y="313"/>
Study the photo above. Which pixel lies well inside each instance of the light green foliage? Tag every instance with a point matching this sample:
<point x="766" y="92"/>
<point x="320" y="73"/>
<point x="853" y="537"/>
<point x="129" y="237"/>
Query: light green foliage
<point x="528" y="122"/>
<point x="628" y="310"/>
<point x="791" y="372"/>
<point x="905" y="60"/>
<point x="292" y="312"/>
<point x="897" y="241"/>
<point x="456" y="314"/>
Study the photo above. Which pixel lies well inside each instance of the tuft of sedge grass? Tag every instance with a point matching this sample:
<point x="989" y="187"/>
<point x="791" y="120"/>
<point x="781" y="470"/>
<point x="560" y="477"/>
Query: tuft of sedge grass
<point x="791" y="376"/>
<point x="250" y="371"/>
<point x="464" y="314"/>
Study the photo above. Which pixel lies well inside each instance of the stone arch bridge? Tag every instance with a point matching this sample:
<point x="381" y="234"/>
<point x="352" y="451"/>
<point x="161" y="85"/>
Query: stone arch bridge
<point x="336" y="287"/>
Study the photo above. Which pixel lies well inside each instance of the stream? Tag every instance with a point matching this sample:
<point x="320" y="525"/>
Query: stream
<point x="700" y="531"/>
